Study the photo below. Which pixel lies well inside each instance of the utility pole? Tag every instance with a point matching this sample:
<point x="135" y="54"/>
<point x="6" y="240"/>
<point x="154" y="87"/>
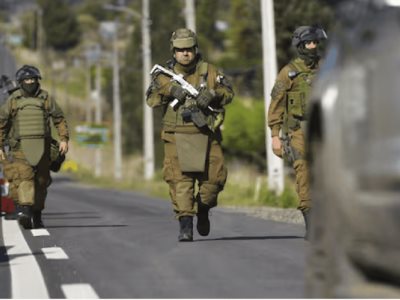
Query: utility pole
<point x="275" y="164"/>
<point x="98" y="119"/>
<point x="116" y="109"/>
<point x="88" y="92"/>
<point x="148" y="132"/>
<point x="190" y="15"/>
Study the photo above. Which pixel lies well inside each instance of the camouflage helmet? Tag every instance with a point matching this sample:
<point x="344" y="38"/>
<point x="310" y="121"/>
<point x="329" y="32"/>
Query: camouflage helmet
<point x="308" y="33"/>
<point x="183" y="38"/>
<point x="27" y="72"/>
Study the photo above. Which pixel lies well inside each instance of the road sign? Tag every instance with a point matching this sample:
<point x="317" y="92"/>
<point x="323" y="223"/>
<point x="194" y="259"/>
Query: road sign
<point x="92" y="135"/>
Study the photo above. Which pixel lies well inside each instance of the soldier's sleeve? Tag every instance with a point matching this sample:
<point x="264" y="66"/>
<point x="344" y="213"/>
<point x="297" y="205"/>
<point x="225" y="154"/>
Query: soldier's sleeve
<point x="59" y="121"/>
<point x="278" y="101"/>
<point x="223" y="87"/>
<point x="158" y="92"/>
<point x="4" y="120"/>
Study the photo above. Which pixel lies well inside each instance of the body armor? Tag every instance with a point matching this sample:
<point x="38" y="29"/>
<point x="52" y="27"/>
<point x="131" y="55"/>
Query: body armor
<point x="297" y="97"/>
<point x="31" y="126"/>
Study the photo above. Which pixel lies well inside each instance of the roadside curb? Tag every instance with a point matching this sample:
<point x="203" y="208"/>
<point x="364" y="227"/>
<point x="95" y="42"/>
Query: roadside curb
<point x="287" y="215"/>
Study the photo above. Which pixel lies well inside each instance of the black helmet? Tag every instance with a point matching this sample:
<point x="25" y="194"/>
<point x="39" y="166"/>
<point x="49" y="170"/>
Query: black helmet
<point x="27" y="72"/>
<point x="308" y="33"/>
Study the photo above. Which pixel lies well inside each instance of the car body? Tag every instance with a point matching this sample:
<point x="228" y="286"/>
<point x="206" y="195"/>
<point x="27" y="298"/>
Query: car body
<point x="353" y="139"/>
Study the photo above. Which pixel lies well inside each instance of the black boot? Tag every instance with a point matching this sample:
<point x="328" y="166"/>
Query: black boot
<point x="306" y="216"/>
<point x="186" y="229"/>
<point x="37" y="219"/>
<point x="11" y="216"/>
<point x="25" y="216"/>
<point x="203" y="222"/>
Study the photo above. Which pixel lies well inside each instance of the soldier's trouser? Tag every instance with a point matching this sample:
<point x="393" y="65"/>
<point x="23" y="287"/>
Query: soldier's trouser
<point x="28" y="185"/>
<point x="301" y="169"/>
<point x="182" y="184"/>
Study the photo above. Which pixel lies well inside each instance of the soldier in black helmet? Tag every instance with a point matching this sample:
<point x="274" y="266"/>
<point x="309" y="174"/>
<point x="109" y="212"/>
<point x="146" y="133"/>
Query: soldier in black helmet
<point x="191" y="132"/>
<point x="25" y="126"/>
<point x="286" y="115"/>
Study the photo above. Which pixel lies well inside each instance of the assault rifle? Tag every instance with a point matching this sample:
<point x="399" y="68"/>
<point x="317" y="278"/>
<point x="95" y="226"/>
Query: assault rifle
<point x="193" y="93"/>
<point x="287" y="149"/>
<point x="7" y="85"/>
<point x="191" y="113"/>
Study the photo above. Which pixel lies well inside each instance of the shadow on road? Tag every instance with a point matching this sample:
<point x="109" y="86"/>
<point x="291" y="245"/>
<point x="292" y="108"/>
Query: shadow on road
<point x="245" y="238"/>
<point x="3" y="253"/>
<point x="85" y="226"/>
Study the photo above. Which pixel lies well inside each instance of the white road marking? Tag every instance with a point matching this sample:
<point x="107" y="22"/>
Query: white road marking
<point x="26" y="276"/>
<point x="54" y="253"/>
<point x="79" y="291"/>
<point x="39" y="232"/>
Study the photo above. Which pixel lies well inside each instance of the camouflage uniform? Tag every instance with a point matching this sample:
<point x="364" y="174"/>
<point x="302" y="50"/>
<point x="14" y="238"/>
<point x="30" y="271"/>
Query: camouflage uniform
<point x="212" y="180"/>
<point x="181" y="179"/>
<point x="28" y="184"/>
<point x="285" y="112"/>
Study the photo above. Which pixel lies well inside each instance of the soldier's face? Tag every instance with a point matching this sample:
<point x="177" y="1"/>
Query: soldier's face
<point x="29" y="80"/>
<point x="311" y="44"/>
<point x="185" y="56"/>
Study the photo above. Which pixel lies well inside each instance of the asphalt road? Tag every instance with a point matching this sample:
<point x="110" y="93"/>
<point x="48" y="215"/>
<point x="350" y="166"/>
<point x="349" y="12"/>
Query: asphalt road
<point x="117" y="244"/>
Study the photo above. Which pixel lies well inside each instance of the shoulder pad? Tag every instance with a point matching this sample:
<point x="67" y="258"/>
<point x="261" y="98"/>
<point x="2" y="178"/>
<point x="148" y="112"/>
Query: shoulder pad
<point x="43" y="94"/>
<point x="292" y="74"/>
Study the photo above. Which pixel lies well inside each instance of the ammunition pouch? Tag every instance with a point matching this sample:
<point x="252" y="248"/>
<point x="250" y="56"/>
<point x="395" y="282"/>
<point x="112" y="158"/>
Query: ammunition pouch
<point x="56" y="158"/>
<point x="195" y="115"/>
<point x="293" y="123"/>
<point x="296" y="104"/>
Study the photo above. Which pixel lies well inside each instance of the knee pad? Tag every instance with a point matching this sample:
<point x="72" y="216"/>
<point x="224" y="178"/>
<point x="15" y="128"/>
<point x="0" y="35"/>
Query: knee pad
<point x="26" y="193"/>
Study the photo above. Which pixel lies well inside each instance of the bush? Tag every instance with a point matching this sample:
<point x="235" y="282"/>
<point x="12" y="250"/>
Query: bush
<point x="244" y="128"/>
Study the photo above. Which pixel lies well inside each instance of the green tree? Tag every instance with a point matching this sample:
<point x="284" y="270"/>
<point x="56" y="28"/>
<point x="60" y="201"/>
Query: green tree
<point x="60" y="25"/>
<point x="166" y="16"/>
<point x="209" y="38"/>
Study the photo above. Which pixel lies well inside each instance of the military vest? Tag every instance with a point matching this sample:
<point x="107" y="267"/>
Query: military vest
<point x="297" y="97"/>
<point x="172" y="119"/>
<point x="30" y="117"/>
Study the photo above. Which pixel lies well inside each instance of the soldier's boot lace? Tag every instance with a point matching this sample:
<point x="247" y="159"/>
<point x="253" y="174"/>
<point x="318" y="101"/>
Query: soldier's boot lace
<point x="186" y="229"/>
<point x="25" y="216"/>
<point x="37" y="219"/>
<point x="306" y="216"/>
<point x="203" y="222"/>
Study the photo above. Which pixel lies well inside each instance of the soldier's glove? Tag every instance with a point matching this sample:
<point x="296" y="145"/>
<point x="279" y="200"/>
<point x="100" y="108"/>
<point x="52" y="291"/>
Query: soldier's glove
<point x="2" y="155"/>
<point x="178" y="92"/>
<point x="204" y="98"/>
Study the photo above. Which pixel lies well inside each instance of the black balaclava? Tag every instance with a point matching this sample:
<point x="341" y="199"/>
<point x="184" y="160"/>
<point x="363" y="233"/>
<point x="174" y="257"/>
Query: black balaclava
<point x="310" y="56"/>
<point x="30" y="89"/>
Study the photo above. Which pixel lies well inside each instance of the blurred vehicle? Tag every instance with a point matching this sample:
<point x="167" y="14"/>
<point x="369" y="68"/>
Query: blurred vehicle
<point x="354" y="151"/>
<point x="6" y="203"/>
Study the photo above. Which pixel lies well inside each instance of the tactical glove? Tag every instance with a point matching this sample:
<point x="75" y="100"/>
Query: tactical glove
<point x="204" y="98"/>
<point x="178" y="92"/>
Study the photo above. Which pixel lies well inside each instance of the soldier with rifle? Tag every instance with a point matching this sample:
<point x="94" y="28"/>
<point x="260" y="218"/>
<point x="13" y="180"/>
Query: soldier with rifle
<point x="287" y="111"/>
<point x="193" y="94"/>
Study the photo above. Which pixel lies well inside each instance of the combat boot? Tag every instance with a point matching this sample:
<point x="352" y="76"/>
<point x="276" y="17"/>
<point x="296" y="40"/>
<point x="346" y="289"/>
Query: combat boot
<point x="25" y="216"/>
<point x="306" y="216"/>
<point x="186" y="229"/>
<point x="37" y="220"/>
<point x="11" y="216"/>
<point x="203" y="222"/>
